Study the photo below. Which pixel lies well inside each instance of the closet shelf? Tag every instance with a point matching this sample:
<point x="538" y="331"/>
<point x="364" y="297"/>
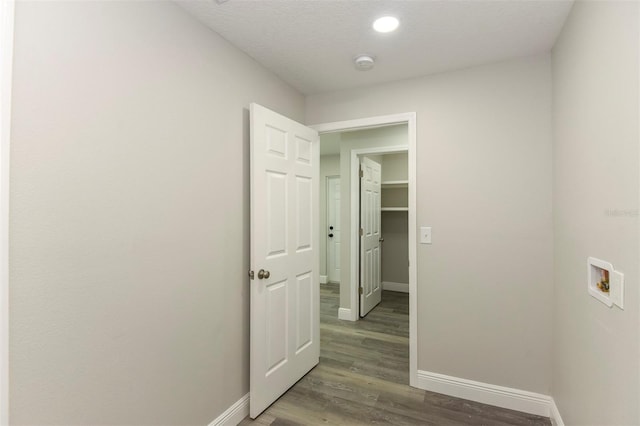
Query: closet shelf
<point x="395" y="209"/>
<point x="395" y="184"/>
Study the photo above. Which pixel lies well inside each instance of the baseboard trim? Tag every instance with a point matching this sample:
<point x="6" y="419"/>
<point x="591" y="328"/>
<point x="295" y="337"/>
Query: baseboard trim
<point x="391" y="286"/>
<point x="345" y="314"/>
<point x="554" y="415"/>
<point x="500" y="396"/>
<point x="234" y="414"/>
<point x="323" y="279"/>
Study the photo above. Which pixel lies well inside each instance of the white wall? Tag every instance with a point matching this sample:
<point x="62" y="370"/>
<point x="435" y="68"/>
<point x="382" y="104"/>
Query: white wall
<point x="395" y="167"/>
<point x="484" y="185"/>
<point x="329" y="166"/>
<point x="130" y="214"/>
<point x="596" y="151"/>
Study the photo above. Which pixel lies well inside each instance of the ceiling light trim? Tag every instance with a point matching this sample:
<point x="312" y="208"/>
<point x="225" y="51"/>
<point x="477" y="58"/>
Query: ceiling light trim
<point x="386" y="24"/>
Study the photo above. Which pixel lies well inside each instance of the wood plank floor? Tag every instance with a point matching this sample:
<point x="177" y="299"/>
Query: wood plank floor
<point x="363" y="377"/>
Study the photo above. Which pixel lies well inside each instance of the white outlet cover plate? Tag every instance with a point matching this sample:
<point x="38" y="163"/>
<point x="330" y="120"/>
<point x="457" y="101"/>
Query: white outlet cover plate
<point x="616" y="282"/>
<point x="425" y="235"/>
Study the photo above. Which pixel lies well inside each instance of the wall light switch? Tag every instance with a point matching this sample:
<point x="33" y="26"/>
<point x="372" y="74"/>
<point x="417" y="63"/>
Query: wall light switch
<point x="425" y="235"/>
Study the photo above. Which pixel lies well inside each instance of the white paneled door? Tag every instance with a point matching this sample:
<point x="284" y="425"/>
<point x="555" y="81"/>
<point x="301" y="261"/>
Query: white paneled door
<point x="285" y="295"/>
<point x="333" y="231"/>
<point x="370" y="235"/>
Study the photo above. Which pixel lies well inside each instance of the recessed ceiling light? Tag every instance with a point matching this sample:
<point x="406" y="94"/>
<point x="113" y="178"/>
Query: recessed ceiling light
<point x="386" y="24"/>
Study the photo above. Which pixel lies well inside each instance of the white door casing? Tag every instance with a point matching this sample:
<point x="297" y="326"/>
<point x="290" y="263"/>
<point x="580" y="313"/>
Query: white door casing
<point x="285" y="302"/>
<point x="7" y="15"/>
<point x="370" y="218"/>
<point x="333" y="229"/>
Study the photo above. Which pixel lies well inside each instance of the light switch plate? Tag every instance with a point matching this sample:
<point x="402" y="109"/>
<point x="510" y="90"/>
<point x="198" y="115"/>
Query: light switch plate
<point x="425" y="235"/>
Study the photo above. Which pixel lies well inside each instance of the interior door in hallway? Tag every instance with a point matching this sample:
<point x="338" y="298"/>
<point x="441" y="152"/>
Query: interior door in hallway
<point x="370" y="235"/>
<point x="333" y="231"/>
<point x="285" y="293"/>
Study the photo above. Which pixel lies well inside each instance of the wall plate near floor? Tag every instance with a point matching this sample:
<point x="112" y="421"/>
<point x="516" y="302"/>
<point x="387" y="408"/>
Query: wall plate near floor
<point x="604" y="283"/>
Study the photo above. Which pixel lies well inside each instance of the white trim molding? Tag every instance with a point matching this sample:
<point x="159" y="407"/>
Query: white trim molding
<point x="499" y="396"/>
<point x="554" y="414"/>
<point x="364" y="123"/>
<point x="7" y="13"/>
<point x="410" y="118"/>
<point x="234" y="414"/>
<point x="345" y="314"/>
<point x="391" y="286"/>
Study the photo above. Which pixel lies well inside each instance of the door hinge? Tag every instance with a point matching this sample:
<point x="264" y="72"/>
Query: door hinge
<point x="361" y="290"/>
<point x="251" y="275"/>
<point x="361" y="173"/>
<point x="361" y="232"/>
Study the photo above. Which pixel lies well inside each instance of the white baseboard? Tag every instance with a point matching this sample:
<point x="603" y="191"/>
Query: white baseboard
<point x="234" y="414"/>
<point x="323" y="279"/>
<point x="554" y="415"/>
<point x="345" y="314"/>
<point x="401" y="287"/>
<point x="500" y="396"/>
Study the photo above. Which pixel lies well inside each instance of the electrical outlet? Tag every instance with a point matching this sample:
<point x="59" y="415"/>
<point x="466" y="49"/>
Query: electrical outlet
<point x="425" y="235"/>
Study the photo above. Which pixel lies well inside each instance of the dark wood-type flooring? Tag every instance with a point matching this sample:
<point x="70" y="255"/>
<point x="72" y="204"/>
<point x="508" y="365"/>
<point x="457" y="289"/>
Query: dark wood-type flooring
<point x="363" y="377"/>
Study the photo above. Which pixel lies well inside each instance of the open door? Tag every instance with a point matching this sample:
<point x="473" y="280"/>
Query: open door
<point x="285" y="292"/>
<point x="370" y="235"/>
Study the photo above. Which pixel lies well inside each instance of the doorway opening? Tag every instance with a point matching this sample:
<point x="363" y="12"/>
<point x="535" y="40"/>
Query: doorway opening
<point x="378" y="268"/>
<point x="286" y="306"/>
<point x="383" y="226"/>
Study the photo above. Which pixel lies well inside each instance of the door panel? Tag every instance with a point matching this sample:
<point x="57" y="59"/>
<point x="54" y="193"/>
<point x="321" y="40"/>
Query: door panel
<point x="285" y="330"/>
<point x="304" y="215"/>
<point x="276" y="325"/>
<point x="276" y="225"/>
<point x="370" y="217"/>
<point x="304" y="311"/>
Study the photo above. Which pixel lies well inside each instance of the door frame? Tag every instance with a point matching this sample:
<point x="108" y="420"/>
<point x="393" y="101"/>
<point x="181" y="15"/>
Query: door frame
<point x="410" y="120"/>
<point x="7" y="13"/>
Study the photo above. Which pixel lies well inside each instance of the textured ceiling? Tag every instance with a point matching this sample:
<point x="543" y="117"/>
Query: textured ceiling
<point x="310" y="43"/>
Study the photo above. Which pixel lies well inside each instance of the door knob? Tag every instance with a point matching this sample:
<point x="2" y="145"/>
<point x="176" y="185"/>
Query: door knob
<point x="262" y="274"/>
<point x="381" y="239"/>
<point x="330" y="235"/>
<point x="331" y="228"/>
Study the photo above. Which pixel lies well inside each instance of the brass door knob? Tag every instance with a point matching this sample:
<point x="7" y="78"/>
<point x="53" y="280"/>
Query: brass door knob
<point x="262" y="274"/>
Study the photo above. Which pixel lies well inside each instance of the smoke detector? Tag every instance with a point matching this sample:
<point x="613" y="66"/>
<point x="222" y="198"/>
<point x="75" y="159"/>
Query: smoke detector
<point x="364" y="62"/>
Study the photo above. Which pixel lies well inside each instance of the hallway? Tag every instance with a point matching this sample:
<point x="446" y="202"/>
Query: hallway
<point x="363" y="377"/>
